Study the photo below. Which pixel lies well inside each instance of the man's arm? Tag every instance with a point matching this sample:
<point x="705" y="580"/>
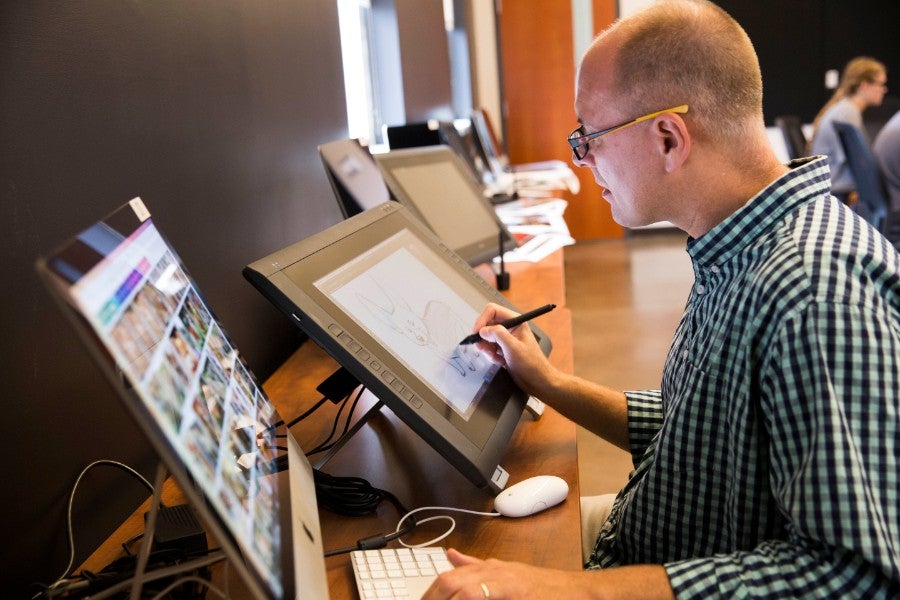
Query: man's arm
<point x="597" y="408"/>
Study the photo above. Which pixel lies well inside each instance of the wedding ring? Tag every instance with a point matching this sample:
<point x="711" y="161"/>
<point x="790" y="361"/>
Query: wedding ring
<point x="485" y="591"/>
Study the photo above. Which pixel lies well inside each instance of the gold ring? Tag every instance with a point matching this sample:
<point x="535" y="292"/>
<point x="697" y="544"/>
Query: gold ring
<point x="485" y="591"/>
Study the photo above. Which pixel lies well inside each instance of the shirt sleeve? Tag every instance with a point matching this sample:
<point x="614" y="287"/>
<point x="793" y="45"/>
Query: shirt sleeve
<point x="645" y="417"/>
<point x="829" y="398"/>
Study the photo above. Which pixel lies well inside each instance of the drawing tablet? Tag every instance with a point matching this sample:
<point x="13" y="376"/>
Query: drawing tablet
<point x="390" y="302"/>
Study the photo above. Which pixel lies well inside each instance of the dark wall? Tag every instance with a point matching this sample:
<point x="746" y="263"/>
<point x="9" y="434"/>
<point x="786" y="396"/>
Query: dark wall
<point x="211" y="112"/>
<point x="798" y="41"/>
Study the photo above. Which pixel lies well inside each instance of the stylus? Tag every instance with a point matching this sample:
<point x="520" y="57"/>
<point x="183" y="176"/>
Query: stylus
<point x="510" y="323"/>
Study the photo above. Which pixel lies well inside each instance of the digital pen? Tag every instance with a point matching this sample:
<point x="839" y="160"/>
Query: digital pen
<point x="510" y="323"/>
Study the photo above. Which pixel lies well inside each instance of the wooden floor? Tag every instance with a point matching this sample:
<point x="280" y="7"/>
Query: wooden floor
<point x="626" y="297"/>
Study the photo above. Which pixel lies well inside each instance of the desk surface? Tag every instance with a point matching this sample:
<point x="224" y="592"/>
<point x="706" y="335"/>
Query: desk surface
<point x="391" y="457"/>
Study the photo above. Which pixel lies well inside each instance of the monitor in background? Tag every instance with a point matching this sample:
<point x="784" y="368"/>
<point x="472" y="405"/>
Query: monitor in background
<point x="497" y="159"/>
<point x="147" y="325"/>
<point x="486" y="144"/>
<point x="357" y="183"/>
<point x="435" y="133"/>
<point x="434" y="183"/>
<point x="462" y="143"/>
<point x="413" y="135"/>
<point x="390" y="302"/>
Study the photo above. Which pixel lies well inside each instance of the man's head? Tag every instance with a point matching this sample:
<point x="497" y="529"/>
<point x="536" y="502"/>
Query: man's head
<point x="673" y="53"/>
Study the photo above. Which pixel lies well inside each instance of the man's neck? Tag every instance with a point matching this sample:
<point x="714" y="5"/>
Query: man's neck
<point x="719" y="192"/>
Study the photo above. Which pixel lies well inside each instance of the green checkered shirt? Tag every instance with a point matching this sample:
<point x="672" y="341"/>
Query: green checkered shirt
<point x="767" y="465"/>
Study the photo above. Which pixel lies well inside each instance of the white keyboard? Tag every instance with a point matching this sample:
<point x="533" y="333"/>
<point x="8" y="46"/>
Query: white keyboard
<point x="401" y="573"/>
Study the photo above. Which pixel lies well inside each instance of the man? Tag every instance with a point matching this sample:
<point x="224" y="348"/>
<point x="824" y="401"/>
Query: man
<point x="765" y="466"/>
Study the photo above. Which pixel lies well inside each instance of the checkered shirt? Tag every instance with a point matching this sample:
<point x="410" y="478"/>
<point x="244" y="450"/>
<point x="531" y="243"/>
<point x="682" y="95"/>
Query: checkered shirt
<point x="767" y="464"/>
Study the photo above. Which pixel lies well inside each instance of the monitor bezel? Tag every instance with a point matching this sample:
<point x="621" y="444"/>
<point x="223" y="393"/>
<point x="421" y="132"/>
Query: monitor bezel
<point x="365" y="357"/>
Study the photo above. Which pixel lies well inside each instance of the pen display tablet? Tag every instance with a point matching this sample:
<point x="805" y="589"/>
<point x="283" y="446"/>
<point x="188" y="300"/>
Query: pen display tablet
<point x="391" y="303"/>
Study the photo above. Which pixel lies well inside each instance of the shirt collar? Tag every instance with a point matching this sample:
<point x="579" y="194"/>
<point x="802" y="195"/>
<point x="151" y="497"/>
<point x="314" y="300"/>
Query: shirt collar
<point x="807" y="179"/>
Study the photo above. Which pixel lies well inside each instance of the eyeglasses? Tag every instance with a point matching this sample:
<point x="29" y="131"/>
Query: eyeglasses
<point x="579" y="140"/>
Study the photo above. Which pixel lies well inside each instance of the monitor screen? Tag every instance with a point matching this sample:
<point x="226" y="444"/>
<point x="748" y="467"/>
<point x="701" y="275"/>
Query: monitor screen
<point x="181" y="377"/>
<point x="390" y="302"/>
<point x="435" y="185"/>
<point x="357" y="183"/>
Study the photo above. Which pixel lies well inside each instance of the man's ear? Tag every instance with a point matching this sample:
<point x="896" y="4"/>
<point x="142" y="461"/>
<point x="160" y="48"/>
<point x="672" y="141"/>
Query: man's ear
<point x="674" y="140"/>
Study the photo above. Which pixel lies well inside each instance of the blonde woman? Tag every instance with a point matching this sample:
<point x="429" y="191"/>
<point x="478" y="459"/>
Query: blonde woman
<point x="863" y="84"/>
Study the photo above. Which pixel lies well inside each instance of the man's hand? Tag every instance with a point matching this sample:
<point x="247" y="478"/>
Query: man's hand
<point x="475" y="579"/>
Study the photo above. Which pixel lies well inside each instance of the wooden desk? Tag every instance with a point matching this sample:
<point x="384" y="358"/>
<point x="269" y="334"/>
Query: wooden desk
<point x="391" y="457"/>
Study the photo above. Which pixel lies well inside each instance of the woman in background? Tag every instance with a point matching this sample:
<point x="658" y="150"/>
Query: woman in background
<point x="863" y="84"/>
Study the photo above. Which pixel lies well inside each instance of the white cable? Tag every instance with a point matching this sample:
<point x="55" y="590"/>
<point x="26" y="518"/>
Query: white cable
<point x="434" y="540"/>
<point x="70" y="534"/>
<point x="436" y="517"/>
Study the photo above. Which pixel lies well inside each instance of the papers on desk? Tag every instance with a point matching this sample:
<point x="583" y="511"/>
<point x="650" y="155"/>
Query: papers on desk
<point x="528" y="182"/>
<point x="561" y="178"/>
<point x="538" y="225"/>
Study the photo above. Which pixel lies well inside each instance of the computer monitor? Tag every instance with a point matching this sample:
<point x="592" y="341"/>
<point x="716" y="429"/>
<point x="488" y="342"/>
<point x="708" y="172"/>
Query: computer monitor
<point x="391" y="302"/>
<point x="357" y="183"/>
<point x="149" y="328"/>
<point x="413" y="135"/>
<point x="462" y="142"/>
<point x="447" y="133"/>
<point x="435" y="185"/>
<point x="486" y="144"/>
<point x="496" y="157"/>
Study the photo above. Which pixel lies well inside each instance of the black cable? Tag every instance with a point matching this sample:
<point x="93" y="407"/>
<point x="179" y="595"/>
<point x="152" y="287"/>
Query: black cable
<point x="119" y="570"/>
<point x="124" y="579"/>
<point x="313" y="409"/>
<point x="325" y="445"/>
<point x="266" y="434"/>
<point x="355" y="496"/>
<point x="296" y="420"/>
<point x="334" y="426"/>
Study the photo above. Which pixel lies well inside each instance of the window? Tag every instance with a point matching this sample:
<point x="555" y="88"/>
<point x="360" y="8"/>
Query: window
<point x="355" y="18"/>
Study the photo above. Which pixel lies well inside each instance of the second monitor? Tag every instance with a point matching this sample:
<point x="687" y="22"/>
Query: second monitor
<point x="434" y="184"/>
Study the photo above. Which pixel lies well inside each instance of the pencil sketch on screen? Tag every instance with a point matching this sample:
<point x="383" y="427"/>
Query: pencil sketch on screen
<point x="412" y="312"/>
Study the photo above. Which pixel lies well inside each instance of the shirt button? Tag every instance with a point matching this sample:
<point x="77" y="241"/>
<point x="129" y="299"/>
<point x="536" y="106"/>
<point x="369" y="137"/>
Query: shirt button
<point x="714" y="268"/>
<point x="701" y="289"/>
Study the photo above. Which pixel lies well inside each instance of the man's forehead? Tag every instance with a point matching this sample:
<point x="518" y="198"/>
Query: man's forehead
<point x="594" y="85"/>
<point x="595" y="78"/>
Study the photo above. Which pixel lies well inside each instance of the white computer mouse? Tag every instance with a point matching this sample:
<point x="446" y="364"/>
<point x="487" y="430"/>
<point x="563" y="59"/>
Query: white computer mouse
<point x="531" y="495"/>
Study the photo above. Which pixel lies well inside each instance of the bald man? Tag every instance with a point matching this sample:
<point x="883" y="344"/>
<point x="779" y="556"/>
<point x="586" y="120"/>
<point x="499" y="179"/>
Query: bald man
<point x="765" y="465"/>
